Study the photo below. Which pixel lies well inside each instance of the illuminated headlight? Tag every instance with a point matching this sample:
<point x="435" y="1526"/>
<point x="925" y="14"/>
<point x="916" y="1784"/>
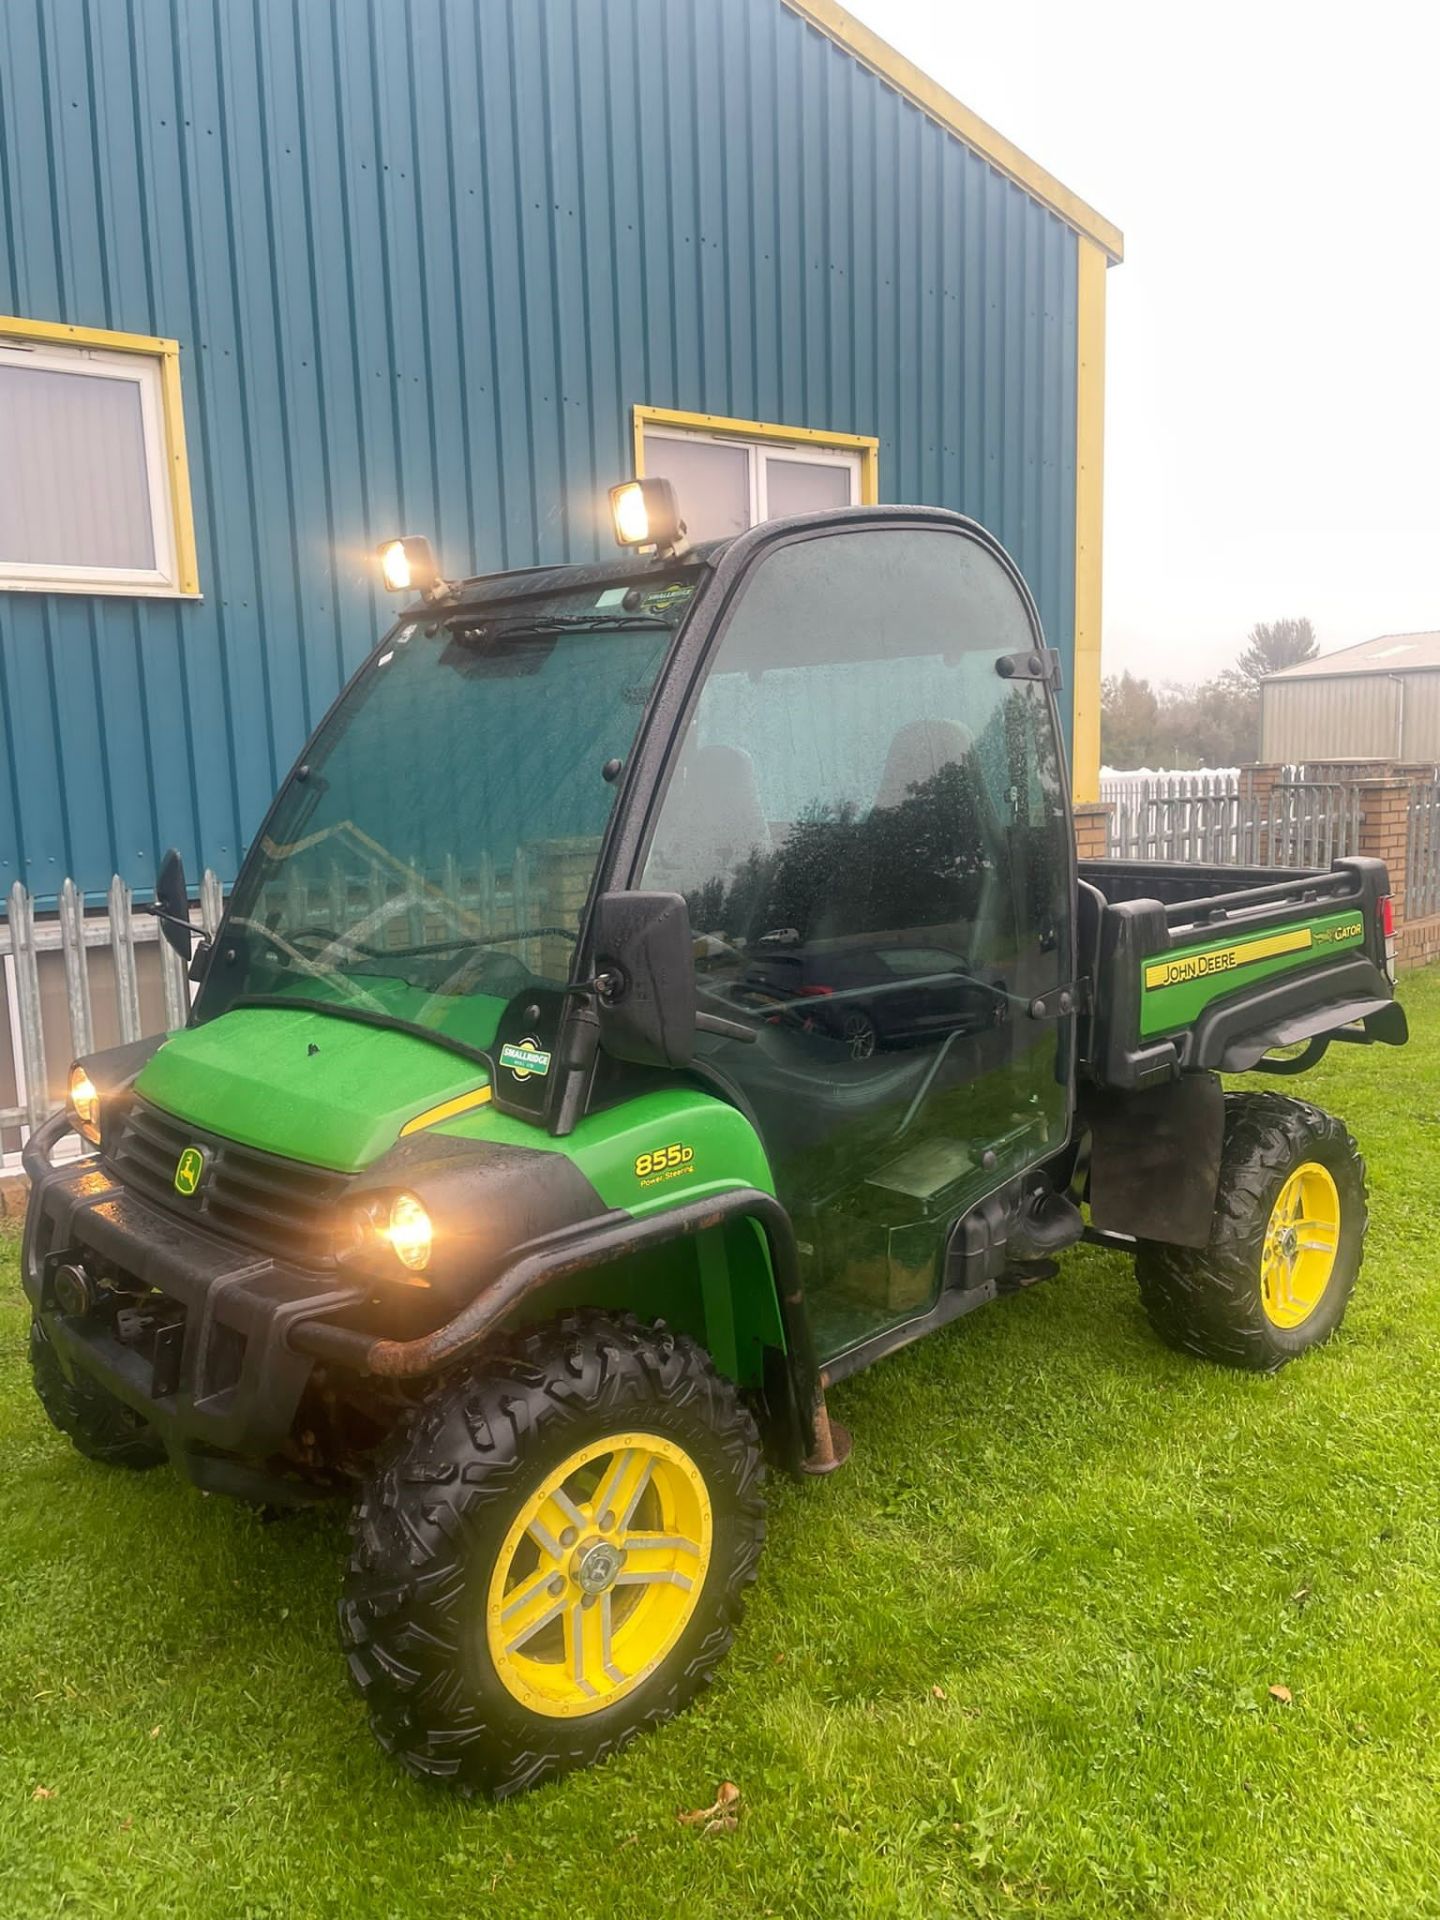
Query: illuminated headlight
<point x="409" y="1232"/>
<point x="84" y="1104"/>
<point x="397" y="1225"/>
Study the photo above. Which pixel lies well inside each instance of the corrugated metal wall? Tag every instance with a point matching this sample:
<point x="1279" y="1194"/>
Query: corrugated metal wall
<point x="423" y="256"/>
<point x="1351" y="717"/>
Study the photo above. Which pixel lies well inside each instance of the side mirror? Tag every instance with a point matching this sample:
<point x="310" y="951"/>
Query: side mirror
<point x="645" y="958"/>
<point x="172" y="904"/>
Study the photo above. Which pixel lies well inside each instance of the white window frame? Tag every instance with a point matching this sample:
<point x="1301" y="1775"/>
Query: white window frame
<point x="152" y="366"/>
<point x="857" y="454"/>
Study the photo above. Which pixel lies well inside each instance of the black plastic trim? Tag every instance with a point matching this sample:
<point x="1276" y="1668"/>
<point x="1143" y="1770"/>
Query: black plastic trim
<point x="592" y="1245"/>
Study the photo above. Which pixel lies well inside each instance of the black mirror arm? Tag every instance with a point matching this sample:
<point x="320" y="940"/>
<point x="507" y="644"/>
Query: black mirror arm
<point x="607" y="988"/>
<point x="731" y="1029"/>
<point x="172" y="919"/>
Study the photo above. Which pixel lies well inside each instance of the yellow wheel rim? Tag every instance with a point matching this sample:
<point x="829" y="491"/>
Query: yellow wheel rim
<point x="599" y="1575"/>
<point x="1301" y="1242"/>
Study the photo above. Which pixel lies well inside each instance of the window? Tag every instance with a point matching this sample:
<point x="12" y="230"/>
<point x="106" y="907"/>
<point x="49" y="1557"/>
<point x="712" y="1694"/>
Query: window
<point x="731" y="474"/>
<point x="866" y="819"/>
<point x="94" y="489"/>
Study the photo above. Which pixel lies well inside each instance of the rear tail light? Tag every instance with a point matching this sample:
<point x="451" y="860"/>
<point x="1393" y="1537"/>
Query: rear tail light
<point x="1387" y="917"/>
<point x="814" y="993"/>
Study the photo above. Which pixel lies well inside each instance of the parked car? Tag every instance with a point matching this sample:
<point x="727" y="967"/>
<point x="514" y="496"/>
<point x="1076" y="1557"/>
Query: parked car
<point x="871" y="997"/>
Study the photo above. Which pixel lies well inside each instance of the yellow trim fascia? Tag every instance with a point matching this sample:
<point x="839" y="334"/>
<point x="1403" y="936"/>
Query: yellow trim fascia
<point x="865" y="444"/>
<point x="1089" y="512"/>
<point x="917" y="87"/>
<point x="58" y="333"/>
<point x="187" y="560"/>
<point x="167" y="352"/>
<point x="447" y="1110"/>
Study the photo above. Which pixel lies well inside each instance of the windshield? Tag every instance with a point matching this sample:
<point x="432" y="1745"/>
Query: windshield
<point x="432" y="857"/>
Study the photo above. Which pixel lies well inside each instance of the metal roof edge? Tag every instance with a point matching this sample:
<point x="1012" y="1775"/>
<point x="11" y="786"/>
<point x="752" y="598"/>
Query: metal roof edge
<point x="915" y="85"/>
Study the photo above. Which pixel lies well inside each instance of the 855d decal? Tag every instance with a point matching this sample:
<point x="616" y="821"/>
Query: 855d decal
<point x="664" y="1163"/>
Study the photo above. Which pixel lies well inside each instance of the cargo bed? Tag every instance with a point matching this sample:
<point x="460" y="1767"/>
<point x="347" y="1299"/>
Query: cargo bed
<point x="1203" y="968"/>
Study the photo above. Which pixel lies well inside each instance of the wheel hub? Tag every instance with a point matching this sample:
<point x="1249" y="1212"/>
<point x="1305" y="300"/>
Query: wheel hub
<point x="594" y="1565"/>
<point x="1302" y="1240"/>
<point x="600" y="1574"/>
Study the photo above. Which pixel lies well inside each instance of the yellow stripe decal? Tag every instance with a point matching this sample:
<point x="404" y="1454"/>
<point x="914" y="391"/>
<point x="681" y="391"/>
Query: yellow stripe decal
<point x="447" y="1110"/>
<point x="1196" y="966"/>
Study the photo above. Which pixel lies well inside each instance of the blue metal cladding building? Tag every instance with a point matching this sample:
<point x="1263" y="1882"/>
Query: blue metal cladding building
<point x="423" y="260"/>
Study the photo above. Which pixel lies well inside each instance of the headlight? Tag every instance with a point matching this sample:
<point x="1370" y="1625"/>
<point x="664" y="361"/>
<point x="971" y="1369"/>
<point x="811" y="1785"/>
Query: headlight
<point x="84" y="1104"/>
<point x="386" y="1225"/>
<point x="409" y="1232"/>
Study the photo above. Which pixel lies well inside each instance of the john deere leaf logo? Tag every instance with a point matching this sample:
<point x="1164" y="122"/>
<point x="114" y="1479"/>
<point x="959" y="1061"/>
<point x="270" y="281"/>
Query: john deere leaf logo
<point x="188" y="1170"/>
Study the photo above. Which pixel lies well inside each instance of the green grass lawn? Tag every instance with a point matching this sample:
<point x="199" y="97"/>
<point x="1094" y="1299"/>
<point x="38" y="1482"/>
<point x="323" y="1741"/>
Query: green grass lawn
<point x="1016" y="1659"/>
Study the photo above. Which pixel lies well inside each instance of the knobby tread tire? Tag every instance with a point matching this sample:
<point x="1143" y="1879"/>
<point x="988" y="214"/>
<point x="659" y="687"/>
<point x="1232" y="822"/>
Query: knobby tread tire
<point x="431" y="1517"/>
<point x="92" y="1420"/>
<point x="1207" y="1300"/>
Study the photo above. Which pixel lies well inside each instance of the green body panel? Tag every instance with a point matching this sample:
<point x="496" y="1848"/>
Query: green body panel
<point x="252" y="1076"/>
<point x="718" y="1286"/>
<point x="724" y="1151"/>
<point x="1176" y="987"/>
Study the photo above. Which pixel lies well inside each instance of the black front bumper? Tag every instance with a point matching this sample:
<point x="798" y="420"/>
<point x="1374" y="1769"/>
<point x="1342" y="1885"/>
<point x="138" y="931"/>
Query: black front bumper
<point x="222" y="1386"/>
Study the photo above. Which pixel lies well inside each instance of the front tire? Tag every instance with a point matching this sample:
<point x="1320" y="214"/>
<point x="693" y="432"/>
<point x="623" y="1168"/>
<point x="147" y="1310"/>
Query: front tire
<point x="92" y="1420"/>
<point x="1286" y="1241"/>
<point x="552" y="1554"/>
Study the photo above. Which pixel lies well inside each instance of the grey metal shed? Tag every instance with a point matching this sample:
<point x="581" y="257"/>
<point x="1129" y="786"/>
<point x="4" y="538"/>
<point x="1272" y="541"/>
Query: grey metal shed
<point x="1379" y="700"/>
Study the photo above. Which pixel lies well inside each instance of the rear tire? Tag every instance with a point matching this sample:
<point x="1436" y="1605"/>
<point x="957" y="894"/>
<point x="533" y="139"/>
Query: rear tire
<point x="1266" y="1288"/>
<point x="473" y="1673"/>
<point x="94" y="1421"/>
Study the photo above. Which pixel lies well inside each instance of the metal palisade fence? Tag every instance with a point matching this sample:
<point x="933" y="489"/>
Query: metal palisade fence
<point x="73" y="980"/>
<point x="1225" y="817"/>
<point x="1422" y="851"/>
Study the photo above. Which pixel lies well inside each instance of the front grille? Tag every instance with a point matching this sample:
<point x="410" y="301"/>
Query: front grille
<point x="279" y="1205"/>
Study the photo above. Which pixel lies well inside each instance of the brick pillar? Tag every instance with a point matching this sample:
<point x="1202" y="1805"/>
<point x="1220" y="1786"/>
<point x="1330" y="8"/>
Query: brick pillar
<point x="1257" y="784"/>
<point x="1385" y="830"/>
<point x="1092" y="829"/>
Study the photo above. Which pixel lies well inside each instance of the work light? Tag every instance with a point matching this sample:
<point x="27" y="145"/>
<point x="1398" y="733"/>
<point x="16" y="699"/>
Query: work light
<point x="646" y="514"/>
<point x="407" y="564"/>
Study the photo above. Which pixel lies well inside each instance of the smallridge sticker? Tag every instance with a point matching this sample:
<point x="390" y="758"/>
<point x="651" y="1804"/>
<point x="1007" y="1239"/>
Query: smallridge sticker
<point x="525" y="1058"/>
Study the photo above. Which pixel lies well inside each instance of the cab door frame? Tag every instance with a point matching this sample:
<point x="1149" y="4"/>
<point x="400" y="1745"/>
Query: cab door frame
<point x="655" y="755"/>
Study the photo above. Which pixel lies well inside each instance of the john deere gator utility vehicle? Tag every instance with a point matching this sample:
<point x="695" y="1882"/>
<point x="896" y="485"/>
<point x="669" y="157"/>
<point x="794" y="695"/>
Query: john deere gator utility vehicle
<point x="659" y="990"/>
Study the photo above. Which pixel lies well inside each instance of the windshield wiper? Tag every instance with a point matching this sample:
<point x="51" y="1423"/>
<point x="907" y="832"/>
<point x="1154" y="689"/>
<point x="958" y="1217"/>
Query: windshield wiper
<point x="572" y="623"/>
<point x="304" y="962"/>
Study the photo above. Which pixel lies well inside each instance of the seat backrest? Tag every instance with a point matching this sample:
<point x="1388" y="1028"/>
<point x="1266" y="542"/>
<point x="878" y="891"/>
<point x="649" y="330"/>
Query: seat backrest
<point x="713" y="820"/>
<point x="917" y="753"/>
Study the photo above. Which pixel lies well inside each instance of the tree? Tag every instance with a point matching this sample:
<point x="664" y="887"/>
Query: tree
<point x="1129" y="721"/>
<point x="1273" y="645"/>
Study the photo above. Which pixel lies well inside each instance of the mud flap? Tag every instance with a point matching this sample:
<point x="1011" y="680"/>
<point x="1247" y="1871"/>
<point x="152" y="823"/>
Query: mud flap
<point x="1155" y="1159"/>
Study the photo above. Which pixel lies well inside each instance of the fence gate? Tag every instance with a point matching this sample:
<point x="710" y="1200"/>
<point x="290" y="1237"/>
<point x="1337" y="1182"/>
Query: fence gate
<point x="73" y="981"/>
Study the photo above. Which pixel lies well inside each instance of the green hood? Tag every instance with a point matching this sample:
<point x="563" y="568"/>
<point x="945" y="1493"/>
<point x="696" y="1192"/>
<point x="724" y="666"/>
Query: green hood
<point x="308" y="1086"/>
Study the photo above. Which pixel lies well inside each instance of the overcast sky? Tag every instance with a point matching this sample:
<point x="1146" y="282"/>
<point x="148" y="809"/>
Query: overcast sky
<point x="1273" y="407"/>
